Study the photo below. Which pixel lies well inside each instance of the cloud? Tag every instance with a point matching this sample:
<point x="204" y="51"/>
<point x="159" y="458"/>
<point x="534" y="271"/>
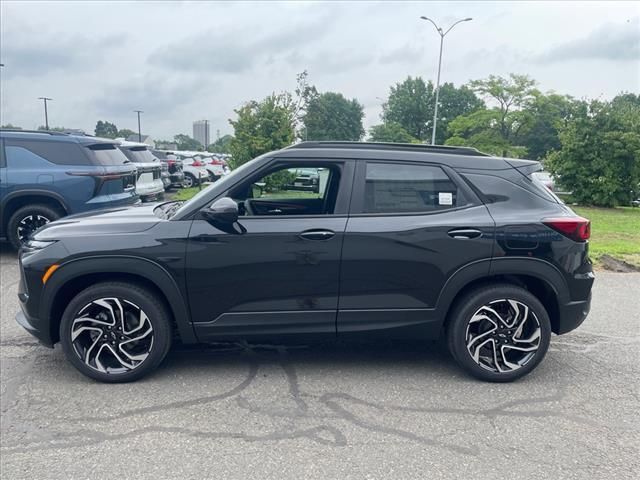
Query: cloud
<point x="619" y="42"/>
<point x="32" y="55"/>
<point x="407" y="53"/>
<point x="227" y="52"/>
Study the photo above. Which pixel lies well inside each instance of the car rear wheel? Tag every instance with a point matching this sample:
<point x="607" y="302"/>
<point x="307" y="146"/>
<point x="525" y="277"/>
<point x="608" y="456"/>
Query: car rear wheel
<point x="115" y="332"/>
<point x="27" y="220"/>
<point x="498" y="333"/>
<point x="189" y="180"/>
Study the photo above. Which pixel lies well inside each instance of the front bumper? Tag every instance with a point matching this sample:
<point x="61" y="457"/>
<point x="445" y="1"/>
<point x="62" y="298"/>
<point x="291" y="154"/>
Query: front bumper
<point x="32" y="326"/>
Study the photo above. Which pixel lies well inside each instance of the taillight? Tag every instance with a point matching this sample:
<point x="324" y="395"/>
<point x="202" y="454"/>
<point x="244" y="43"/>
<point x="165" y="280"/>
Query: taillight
<point x="575" y="228"/>
<point x="196" y="163"/>
<point x="171" y="163"/>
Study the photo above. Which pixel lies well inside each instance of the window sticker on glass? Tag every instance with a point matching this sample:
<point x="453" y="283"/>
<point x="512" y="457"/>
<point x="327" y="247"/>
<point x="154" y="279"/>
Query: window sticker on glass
<point x="445" y="198"/>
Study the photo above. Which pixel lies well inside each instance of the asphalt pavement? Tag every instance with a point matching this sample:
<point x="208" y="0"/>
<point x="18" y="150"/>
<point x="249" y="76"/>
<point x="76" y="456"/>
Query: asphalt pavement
<point x="361" y="411"/>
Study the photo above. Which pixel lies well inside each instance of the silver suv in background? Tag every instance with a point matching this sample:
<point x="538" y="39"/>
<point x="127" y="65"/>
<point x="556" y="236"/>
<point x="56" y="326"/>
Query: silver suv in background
<point x="149" y="185"/>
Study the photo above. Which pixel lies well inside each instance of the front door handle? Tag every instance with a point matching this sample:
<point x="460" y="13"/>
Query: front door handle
<point x="317" y="234"/>
<point x="464" y="233"/>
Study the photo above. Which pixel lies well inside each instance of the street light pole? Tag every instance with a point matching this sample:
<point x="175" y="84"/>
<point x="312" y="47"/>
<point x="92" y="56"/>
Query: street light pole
<point x="139" y="131"/>
<point x="46" y="113"/>
<point x="442" y="35"/>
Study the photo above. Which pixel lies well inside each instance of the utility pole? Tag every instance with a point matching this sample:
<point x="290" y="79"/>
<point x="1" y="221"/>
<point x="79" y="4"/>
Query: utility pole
<point x="46" y="113"/>
<point x="442" y="35"/>
<point x="139" y="130"/>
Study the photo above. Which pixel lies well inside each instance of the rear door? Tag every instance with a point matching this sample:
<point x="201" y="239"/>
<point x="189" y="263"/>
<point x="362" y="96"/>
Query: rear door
<point x="411" y="227"/>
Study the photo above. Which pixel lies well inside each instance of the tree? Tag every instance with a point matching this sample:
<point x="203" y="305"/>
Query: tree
<point x="390" y="132"/>
<point x="221" y="145"/>
<point x="548" y="113"/>
<point x="262" y="127"/>
<point x="498" y="130"/>
<point x="53" y="129"/>
<point x="106" y="129"/>
<point x="599" y="158"/>
<point x="125" y="133"/>
<point x="411" y="105"/>
<point x="185" y="142"/>
<point x="330" y="116"/>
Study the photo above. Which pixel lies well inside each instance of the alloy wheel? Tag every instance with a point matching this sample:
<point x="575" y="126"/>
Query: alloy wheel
<point x="30" y="224"/>
<point x="112" y="335"/>
<point x="503" y="335"/>
<point x="188" y="181"/>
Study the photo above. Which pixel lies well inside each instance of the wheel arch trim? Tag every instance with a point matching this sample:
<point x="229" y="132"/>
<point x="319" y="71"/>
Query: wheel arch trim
<point x="141" y="267"/>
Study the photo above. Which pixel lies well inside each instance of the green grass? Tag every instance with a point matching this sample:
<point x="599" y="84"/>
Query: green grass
<point x="614" y="231"/>
<point x="185" y="193"/>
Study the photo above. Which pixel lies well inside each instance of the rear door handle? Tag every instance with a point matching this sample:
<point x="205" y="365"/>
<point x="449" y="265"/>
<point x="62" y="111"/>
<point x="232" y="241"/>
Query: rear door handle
<point x="317" y="234"/>
<point x="464" y="233"/>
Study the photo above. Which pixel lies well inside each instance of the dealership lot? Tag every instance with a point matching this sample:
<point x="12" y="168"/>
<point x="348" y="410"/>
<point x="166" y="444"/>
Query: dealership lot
<point x="329" y="411"/>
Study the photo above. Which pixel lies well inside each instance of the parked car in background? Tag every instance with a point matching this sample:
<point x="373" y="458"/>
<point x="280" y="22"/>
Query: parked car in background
<point x="149" y="184"/>
<point x="214" y="166"/>
<point x="47" y="175"/>
<point x="174" y="168"/>
<point x="306" y="179"/>
<point x="405" y="241"/>
<point x="194" y="168"/>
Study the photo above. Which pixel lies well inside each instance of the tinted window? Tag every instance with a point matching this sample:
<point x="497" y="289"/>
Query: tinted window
<point x="139" y="155"/>
<point x="21" y="158"/>
<point x="60" y="153"/>
<point x="397" y="188"/>
<point x="107" y="154"/>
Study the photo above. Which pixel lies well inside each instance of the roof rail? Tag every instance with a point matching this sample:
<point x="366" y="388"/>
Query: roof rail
<point x="20" y="130"/>
<point x="410" y="147"/>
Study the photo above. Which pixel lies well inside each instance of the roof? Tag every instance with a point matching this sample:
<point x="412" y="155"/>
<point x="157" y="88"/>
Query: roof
<point x="136" y="138"/>
<point x="455" y="157"/>
<point x="53" y="136"/>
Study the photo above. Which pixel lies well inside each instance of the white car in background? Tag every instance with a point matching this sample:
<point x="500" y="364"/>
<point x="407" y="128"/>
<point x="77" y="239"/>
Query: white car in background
<point x="214" y="166"/>
<point x="194" y="169"/>
<point x="149" y="184"/>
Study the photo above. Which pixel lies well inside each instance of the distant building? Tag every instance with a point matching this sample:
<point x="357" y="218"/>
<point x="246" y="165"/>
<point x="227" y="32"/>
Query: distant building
<point x="201" y="132"/>
<point x="144" y="139"/>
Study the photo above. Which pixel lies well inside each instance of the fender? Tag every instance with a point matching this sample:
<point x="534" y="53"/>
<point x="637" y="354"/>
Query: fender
<point x="139" y="266"/>
<point x="533" y="267"/>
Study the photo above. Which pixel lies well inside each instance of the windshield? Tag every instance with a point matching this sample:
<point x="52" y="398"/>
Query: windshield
<point x="220" y="185"/>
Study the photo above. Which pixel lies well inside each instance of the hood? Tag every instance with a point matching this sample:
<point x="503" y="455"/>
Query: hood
<point x="132" y="219"/>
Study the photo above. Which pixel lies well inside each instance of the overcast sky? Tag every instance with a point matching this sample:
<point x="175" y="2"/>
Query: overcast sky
<point x="182" y="61"/>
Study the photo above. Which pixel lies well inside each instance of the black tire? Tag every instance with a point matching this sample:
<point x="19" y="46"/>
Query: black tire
<point x="40" y="211"/>
<point x="458" y="335"/>
<point x="155" y="310"/>
<point x="189" y="181"/>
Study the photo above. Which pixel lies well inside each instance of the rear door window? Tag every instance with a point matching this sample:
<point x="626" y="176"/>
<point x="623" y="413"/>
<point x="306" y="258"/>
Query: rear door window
<point x="402" y="188"/>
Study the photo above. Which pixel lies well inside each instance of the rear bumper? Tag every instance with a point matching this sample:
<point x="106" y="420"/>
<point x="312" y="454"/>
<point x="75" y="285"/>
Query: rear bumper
<point x="572" y="315"/>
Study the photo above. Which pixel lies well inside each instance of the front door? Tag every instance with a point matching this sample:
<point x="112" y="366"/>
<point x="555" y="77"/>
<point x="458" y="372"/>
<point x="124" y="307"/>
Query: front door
<point x="278" y="272"/>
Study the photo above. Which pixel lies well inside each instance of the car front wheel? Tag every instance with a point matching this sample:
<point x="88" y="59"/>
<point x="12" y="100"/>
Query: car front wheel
<point x="189" y="180"/>
<point x="498" y="333"/>
<point x="115" y="332"/>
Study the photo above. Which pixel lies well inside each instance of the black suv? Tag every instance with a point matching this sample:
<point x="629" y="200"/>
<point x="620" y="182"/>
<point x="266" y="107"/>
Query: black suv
<point x="398" y="241"/>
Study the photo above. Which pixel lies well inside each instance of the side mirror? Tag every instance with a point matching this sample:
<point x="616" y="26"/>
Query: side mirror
<point x="222" y="211"/>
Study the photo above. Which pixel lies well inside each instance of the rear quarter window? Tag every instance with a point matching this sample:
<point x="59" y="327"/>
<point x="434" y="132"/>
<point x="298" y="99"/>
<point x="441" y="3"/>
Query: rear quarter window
<point x="27" y="152"/>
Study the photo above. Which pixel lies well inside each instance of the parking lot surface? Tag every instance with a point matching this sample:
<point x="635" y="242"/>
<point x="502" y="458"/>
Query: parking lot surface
<point x="362" y="411"/>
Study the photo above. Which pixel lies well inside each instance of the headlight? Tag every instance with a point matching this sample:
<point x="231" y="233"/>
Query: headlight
<point x="38" y="244"/>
